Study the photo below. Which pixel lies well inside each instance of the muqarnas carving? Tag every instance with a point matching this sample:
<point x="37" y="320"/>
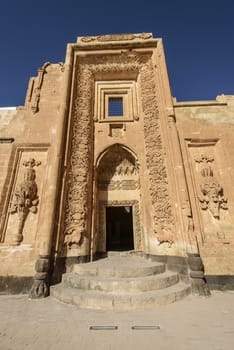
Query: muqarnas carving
<point x="25" y="198"/>
<point x="212" y="193"/>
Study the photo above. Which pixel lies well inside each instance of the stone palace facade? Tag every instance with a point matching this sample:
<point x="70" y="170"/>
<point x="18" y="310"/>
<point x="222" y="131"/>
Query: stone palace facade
<point x="102" y="158"/>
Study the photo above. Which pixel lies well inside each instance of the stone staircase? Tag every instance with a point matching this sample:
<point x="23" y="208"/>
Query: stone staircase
<point x="120" y="282"/>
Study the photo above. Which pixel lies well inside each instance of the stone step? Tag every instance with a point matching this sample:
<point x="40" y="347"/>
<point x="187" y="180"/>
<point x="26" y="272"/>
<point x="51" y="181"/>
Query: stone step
<point x="123" y="253"/>
<point x="124" y="267"/>
<point x="120" y="285"/>
<point x="102" y="300"/>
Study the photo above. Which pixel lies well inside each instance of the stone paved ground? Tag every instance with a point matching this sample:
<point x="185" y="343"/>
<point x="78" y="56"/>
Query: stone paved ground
<point x="193" y="323"/>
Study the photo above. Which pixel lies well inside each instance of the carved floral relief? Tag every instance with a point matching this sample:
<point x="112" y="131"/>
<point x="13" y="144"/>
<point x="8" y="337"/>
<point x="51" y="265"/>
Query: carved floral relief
<point x="155" y="158"/>
<point x="25" y="198"/>
<point x="212" y="196"/>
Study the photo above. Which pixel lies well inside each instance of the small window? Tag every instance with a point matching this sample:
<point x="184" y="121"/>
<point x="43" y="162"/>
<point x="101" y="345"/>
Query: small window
<point x="115" y="107"/>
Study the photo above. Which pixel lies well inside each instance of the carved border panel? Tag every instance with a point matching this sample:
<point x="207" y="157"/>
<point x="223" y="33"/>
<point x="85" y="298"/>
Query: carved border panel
<point x="155" y="153"/>
<point x="80" y="167"/>
<point x="79" y="179"/>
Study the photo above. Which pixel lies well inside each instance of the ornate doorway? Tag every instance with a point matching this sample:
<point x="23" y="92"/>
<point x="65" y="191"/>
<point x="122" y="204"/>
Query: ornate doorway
<point x="118" y="196"/>
<point x="119" y="228"/>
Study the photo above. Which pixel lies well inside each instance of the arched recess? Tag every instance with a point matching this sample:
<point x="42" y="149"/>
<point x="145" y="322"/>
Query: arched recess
<point x="117" y="191"/>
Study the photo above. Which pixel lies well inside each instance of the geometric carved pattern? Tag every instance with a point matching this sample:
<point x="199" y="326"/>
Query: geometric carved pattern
<point x="80" y="168"/>
<point x="119" y="185"/>
<point x="155" y="158"/>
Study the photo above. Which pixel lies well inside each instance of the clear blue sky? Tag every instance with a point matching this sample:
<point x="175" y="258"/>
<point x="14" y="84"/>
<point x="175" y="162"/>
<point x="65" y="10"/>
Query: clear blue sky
<point x="198" y="39"/>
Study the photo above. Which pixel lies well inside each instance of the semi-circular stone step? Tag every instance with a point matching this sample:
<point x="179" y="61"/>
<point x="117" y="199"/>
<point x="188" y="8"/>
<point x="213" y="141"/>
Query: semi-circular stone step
<point x="101" y="300"/>
<point x="121" y="285"/>
<point x="124" y="267"/>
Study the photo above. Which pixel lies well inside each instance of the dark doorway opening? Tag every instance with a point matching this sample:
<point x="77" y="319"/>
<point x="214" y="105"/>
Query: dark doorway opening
<point x="119" y="228"/>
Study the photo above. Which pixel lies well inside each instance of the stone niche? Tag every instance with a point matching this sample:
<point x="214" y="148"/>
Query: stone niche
<point x="118" y="185"/>
<point x="20" y="225"/>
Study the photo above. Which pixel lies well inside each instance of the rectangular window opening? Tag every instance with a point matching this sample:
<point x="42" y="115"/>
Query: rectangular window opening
<point x="115" y="107"/>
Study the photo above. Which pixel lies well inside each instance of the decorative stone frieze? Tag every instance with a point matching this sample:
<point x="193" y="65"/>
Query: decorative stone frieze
<point x="115" y="37"/>
<point x="155" y="157"/>
<point x="80" y="166"/>
<point x="119" y="185"/>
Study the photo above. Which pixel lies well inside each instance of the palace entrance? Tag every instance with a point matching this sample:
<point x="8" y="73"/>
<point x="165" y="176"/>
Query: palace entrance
<point x="119" y="228"/>
<point x="118" y="201"/>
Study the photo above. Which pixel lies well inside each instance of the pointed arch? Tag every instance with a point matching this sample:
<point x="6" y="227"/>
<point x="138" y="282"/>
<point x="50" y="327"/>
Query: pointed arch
<point x="116" y="160"/>
<point x="111" y="147"/>
<point x="117" y="185"/>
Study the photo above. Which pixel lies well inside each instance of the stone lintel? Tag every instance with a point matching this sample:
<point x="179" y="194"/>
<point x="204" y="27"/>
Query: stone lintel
<point x="116" y="40"/>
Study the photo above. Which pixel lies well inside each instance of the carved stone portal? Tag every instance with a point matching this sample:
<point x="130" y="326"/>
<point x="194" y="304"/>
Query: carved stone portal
<point x="79" y="181"/>
<point x="101" y="239"/>
<point x="117" y="180"/>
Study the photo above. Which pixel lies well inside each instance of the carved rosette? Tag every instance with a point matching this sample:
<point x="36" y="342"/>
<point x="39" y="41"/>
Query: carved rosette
<point x="155" y="158"/>
<point x="25" y="198"/>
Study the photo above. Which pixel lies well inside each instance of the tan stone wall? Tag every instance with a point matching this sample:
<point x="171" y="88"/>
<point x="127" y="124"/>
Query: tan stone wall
<point x="206" y="134"/>
<point x="172" y="152"/>
<point x="29" y="132"/>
